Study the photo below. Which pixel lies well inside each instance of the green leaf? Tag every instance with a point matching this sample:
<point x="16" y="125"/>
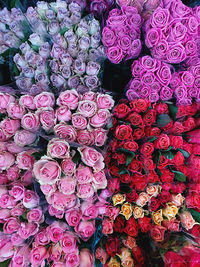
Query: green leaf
<point x="169" y="154"/>
<point x="5" y="263"/>
<point x="169" y="148"/>
<point x="23" y="217"/>
<point x="63" y="31"/>
<point x="156" y="157"/>
<point x="124" y="188"/>
<point x="126" y="151"/>
<point x="38" y="155"/>
<point x="195" y="215"/>
<point x="185" y="153"/>
<point x="123" y="171"/>
<point x="26" y="30"/>
<point x="129" y="159"/>
<point x="173" y="111"/>
<point x="76" y="158"/>
<point x="35" y="48"/>
<point x="179" y="176"/>
<point x="163" y="120"/>
<point x="16" y="71"/>
<point x="152" y="139"/>
<point x="2" y="116"/>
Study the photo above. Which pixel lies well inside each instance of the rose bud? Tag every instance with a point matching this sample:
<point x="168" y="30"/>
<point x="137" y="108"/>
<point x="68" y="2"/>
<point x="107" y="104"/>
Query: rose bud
<point x="84" y="42"/>
<point x="44" y="50"/>
<point x="35" y="39"/>
<point x="24" y="138"/>
<point x="6" y="160"/>
<point x="57" y="80"/>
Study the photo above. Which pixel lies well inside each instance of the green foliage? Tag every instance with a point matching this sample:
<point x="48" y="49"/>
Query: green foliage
<point x="195" y="215"/>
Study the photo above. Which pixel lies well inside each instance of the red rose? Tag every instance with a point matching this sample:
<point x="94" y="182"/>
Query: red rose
<point x="125" y="178"/>
<point x="153" y="177"/>
<point x="114" y="123"/>
<point x="161" y="108"/>
<point x="155" y="131"/>
<point x="139" y="182"/>
<point x="172" y="259"/>
<point x="114" y="145"/>
<point x="132" y="197"/>
<point x="181" y="112"/>
<point x="135" y="119"/>
<point x="130" y="145"/>
<point x="140" y="105"/>
<point x="154" y="204"/>
<point x="172" y="225"/>
<point x="107" y="158"/>
<point x="147" y="149"/>
<point x="168" y="126"/>
<point x="131" y="227"/>
<point x="138" y="255"/>
<point x="113" y="185"/>
<point x="179" y="159"/>
<point x="176" y="141"/>
<point x="135" y="166"/>
<point x="157" y="233"/>
<point x="177" y="128"/>
<point x="150" y="117"/>
<point x="163" y="142"/>
<point x="149" y="165"/>
<point x="112" y="246"/>
<point x="163" y="162"/>
<point x="167" y="176"/>
<point x="121" y="158"/>
<point x="195" y="149"/>
<point x="187" y="147"/>
<point x="121" y="111"/>
<point x="164" y="197"/>
<point x="119" y="224"/>
<point x="195" y="231"/>
<point x="189" y="124"/>
<point x="138" y="134"/>
<point x="192" y="109"/>
<point x="113" y="169"/>
<point x="178" y="188"/>
<point x="144" y="224"/>
<point x="123" y="132"/>
<point x="193" y="201"/>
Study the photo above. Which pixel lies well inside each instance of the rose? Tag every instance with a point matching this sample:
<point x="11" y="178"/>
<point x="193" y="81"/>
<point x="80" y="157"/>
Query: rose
<point x="55" y="231"/>
<point x="72" y="259"/>
<point x="38" y="255"/>
<point x="30" y="199"/>
<point x="15" y="111"/>
<point x="47" y="118"/>
<point x="17" y="191"/>
<point x="136" y="119"/>
<point x="131" y="227"/>
<point x="87" y="108"/>
<point x="112" y="246"/>
<point x="67" y="185"/>
<point x="85" y="190"/>
<point x="91" y="158"/>
<point x="91" y="81"/>
<point x="176" y="54"/>
<point x="35" y="215"/>
<point x="58" y="149"/>
<point x="5" y="214"/>
<point x="144" y="224"/>
<point x="140" y="105"/>
<point x="65" y="131"/>
<point x="115" y="54"/>
<point x="44" y="99"/>
<point x="123" y="132"/>
<point x="47" y="171"/>
<point x="174" y="259"/>
<point x="187" y="220"/>
<point x="142" y="199"/>
<point x="119" y="224"/>
<point x="68" y="166"/>
<point x="83" y="174"/>
<point x="6" y="160"/>
<point x="163" y="142"/>
<point x="48" y="189"/>
<point x="86" y="258"/>
<point x="101" y="255"/>
<point x="63" y="114"/>
<point x="5" y="100"/>
<point x="30" y="121"/>
<point x="11" y="225"/>
<point x="85" y="229"/>
<point x="23" y="138"/>
<point x="150" y="117"/>
<point x="153" y="36"/>
<point x="126" y="210"/>
<point x="24" y="160"/>
<point x="55" y="252"/>
<point x="79" y="122"/>
<point x="157" y="233"/>
<point x="121" y="110"/>
<point x="130" y="145"/>
<point x="172" y="225"/>
<point x="73" y="82"/>
<point x="107" y="226"/>
<point x="6" y="201"/>
<point x="68" y="98"/>
<point x="99" y="180"/>
<point x="92" y="68"/>
<point x="27" y="229"/>
<point x="89" y="210"/>
<point x="9" y="126"/>
<point x="100" y="118"/>
<point x="13" y="173"/>
<point x="160" y="18"/>
<point x="73" y="217"/>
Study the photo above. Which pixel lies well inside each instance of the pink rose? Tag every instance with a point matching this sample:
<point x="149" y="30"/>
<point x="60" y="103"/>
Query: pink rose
<point x="7" y="201"/>
<point x="108" y="37"/>
<point x="66" y="132"/>
<point x="153" y="36"/>
<point x="16" y="240"/>
<point x="11" y="225"/>
<point x="6" y="248"/>
<point x="91" y="158"/>
<point x="48" y="189"/>
<point x="4" y="214"/>
<point x="55" y="212"/>
<point x="85" y="190"/>
<point x="61" y="201"/>
<point x="187" y="220"/>
<point x="30" y="122"/>
<point x="10" y="127"/>
<point x="58" y="149"/>
<point x="68" y="167"/>
<point x="100" y="136"/>
<point x="73" y="216"/>
<point x="6" y="160"/>
<point x="24" y="160"/>
<point x="47" y="118"/>
<point x="55" y="231"/>
<point x="27" y="101"/>
<point x="5" y="100"/>
<point x="38" y="255"/>
<point x="100" y="118"/>
<point x="31" y="199"/>
<point x="157" y="233"/>
<point x="67" y="185"/>
<point x="47" y="171"/>
<point x="72" y="259"/>
<point x="104" y="101"/>
<point x="115" y="54"/>
<point x="42" y="238"/>
<point x="160" y="18"/>
<point x="3" y="137"/>
<point x="85" y="229"/>
<point x="28" y="229"/>
<point x="101" y="255"/>
<point x="99" y="180"/>
<point x="17" y="191"/>
<point x="84" y="137"/>
<point x="176" y="53"/>
<point x="63" y="114"/>
<point x="13" y="148"/>
<point x="89" y="210"/>
<point x="68" y="242"/>
<point x="87" y="108"/>
<point x="24" y="138"/>
<point x="107" y="226"/>
<point x="172" y="225"/>
<point x="21" y="257"/>
<point x="44" y="99"/>
<point x="18" y="210"/>
<point x="55" y="252"/>
<point x="89" y="96"/>
<point x="79" y="121"/>
<point x="35" y="215"/>
<point x="68" y="98"/>
<point x="13" y="173"/>
<point x="15" y="111"/>
<point x="86" y="258"/>
<point x="83" y="174"/>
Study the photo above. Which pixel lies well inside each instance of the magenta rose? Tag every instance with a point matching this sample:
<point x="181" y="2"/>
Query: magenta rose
<point x="79" y="121"/>
<point x="63" y="114"/>
<point x="73" y="217"/>
<point x="115" y="54"/>
<point x="85" y="190"/>
<point x="68" y="167"/>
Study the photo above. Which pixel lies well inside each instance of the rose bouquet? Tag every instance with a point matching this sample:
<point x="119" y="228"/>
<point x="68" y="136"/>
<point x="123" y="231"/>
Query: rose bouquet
<point x="100" y="7"/>
<point x="171" y="32"/>
<point x="121" y="35"/>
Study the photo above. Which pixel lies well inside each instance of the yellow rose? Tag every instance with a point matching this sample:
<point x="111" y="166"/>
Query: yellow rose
<point x="113" y="263"/>
<point x="118" y="199"/>
<point x="170" y="211"/>
<point x="138" y="212"/>
<point x="126" y="210"/>
<point x="157" y="217"/>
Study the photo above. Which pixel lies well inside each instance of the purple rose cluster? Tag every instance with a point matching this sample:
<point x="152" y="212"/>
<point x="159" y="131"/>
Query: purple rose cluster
<point x="121" y="35"/>
<point x="172" y="32"/>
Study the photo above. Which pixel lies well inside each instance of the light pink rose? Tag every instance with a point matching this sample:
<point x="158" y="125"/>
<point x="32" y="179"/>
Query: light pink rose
<point x="5" y="100"/>
<point x="89" y="96"/>
<point x="79" y="121"/>
<point x="187" y="220"/>
<point x="89" y="210"/>
<point x="55" y="212"/>
<point x="72" y="259"/>
<point x="4" y="214"/>
<point x="84" y="174"/>
<point x="7" y="201"/>
<point x="67" y="185"/>
<point x="107" y="226"/>
<point x="42" y="238"/>
<point x="68" y="98"/>
<point x="85" y="229"/>
<point x="104" y="101"/>
<point x="3" y="190"/>
<point x="85" y="191"/>
<point x="35" y="215"/>
<point x="6" y="160"/>
<point x="11" y="225"/>
<point x="68" y="167"/>
<point x="28" y="229"/>
<point x="30" y="122"/>
<point x="17" y="191"/>
<point x="13" y="173"/>
<point x="86" y="258"/>
<point x="31" y="199"/>
<point x="18" y="210"/>
<point x="92" y="158"/>
<point x="99" y="180"/>
<point x="84" y="137"/>
<point x="3" y="179"/>
<point x="48" y="189"/>
<point x="87" y="108"/>
<point x="6" y="248"/>
<point x="47" y="118"/>
<point x="3" y="146"/>
<point x="100" y="118"/>
<point x="101" y="255"/>
<point x="9" y="126"/>
<point x="21" y="257"/>
<point x="27" y="178"/>
<point x="16" y="240"/>
<point x="63" y="114"/>
<point x="15" y="111"/>
<point x="45" y="99"/>
<point x="38" y="255"/>
<point x="61" y="201"/>
<point x="27" y="101"/>
<point x="24" y="160"/>
<point x="58" y="149"/>
<point x="100" y="136"/>
<point x="68" y="242"/>
<point x="13" y="148"/>
<point x="3" y="137"/>
<point x="73" y="216"/>
<point x="47" y="171"/>
<point x="55" y="231"/>
<point x="58" y="264"/>
<point x="24" y="138"/>
<point x="55" y="252"/>
<point x="66" y="132"/>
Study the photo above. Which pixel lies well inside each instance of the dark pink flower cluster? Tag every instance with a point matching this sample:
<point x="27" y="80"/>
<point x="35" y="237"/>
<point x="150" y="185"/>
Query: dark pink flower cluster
<point x="121" y="35"/>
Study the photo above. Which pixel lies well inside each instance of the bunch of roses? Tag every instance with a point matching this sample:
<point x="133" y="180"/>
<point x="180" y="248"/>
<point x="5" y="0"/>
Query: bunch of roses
<point x="151" y="80"/>
<point x="171" y="32"/>
<point x="123" y="251"/>
<point x="81" y="118"/>
<point x="70" y="180"/>
<point x="99" y="7"/>
<point x="149" y="162"/>
<point x="121" y="35"/>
